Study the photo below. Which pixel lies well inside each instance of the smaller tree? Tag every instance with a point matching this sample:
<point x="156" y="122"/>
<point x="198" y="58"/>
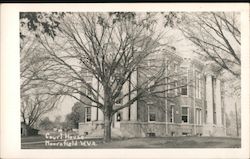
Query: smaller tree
<point x="46" y="124"/>
<point x="233" y="123"/>
<point x="57" y="120"/>
<point x="216" y="36"/>
<point x="76" y="116"/>
<point x="35" y="102"/>
<point x="34" y="106"/>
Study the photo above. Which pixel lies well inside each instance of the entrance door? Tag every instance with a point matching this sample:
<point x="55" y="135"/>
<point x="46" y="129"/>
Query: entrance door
<point x="118" y="118"/>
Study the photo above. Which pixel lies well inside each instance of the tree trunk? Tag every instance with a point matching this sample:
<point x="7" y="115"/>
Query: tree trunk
<point x="107" y="127"/>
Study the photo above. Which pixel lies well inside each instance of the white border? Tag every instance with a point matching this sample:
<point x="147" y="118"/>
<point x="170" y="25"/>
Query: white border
<point x="10" y="107"/>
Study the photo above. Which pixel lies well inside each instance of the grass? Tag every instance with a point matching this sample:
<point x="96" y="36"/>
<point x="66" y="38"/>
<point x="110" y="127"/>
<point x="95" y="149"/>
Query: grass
<point x="37" y="142"/>
<point x="175" y="142"/>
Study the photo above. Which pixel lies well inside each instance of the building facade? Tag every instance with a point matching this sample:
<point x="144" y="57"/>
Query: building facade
<point x="195" y="108"/>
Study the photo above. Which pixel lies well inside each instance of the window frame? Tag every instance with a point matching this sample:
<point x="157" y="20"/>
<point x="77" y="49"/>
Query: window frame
<point x="172" y="113"/>
<point x="198" y="84"/>
<point x="188" y="120"/>
<point x="186" y="77"/>
<point x="175" y="67"/>
<point x="87" y="114"/>
<point x="151" y="112"/>
<point x="119" y="113"/>
<point x="150" y="84"/>
<point x="121" y="101"/>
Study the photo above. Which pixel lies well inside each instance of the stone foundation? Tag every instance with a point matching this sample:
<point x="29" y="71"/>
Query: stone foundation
<point x="213" y="130"/>
<point x="143" y="129"/>
<point x="88" y="127"/>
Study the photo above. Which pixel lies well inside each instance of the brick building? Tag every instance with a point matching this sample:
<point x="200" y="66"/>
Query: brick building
<point x="195" y="109"/>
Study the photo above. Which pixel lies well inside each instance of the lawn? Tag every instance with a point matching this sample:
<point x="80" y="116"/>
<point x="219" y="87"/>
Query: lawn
<point x="38" y="142"/>
<point x="175" y="142"/>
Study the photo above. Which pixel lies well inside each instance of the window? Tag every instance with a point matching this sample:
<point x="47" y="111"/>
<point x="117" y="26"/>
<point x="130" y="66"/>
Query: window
<point x="118" y="116"/>
<point x="119" y="99"/>
<point x="184" y="90"/>
<point x="184" y="114"/>
<point x="88" y="114"/>
<point x="88" y="91"/>
<point x="151" y="63"/>
<point x="151" y="86"/>
<point x="151" y="114"/>
<point x="172" y="87"/>
<point x="88" y="73"/>
<point x="172" y="113"/>
<point x="175" y="68"/>
<point x="175" y="88"/>
<point x="118" y="72"/>
<point x="184" y="81"/>
<point x="198" y="84"/>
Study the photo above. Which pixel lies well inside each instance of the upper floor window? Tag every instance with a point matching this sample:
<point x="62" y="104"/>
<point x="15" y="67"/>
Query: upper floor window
<point x="184" y="87"/>
<point x="86" y="89"/>
<point x="175" y="67"/>
<point x="184" y="114"/>
<point x="172" y="87"/>
<point x="151" y="85"/>
<point x="88" y="73"/>
<point x="198" y="84"/>
<point x="151" y="62"/>
<point x="184" y="81"/>
<point x="119" y="99"/>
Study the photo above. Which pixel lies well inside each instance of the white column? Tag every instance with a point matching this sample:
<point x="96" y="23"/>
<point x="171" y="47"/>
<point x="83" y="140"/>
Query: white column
<point x="100" y="115"/>
<point x="218" y="103"/>
<point x="101" y="93"/>
<point x="125" y="100"/>
<point x="125" y="114"/>
<point x="93" y="109"/>
<point x="133" y="108"/>
<point x="93" y="113"/>
<point x="209" y="98"/>
<point x="166" y="94"/>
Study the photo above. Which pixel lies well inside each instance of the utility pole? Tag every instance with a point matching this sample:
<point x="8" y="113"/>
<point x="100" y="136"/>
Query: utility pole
<point x="236" y="116"/>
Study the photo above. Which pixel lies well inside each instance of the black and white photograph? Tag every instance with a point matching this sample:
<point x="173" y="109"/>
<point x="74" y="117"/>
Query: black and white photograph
<point x="135" y="79"/>
<point x="130" y="79"/>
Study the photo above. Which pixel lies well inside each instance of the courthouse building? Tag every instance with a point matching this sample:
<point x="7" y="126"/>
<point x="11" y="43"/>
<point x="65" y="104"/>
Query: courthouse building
<point x="195" y="109"/>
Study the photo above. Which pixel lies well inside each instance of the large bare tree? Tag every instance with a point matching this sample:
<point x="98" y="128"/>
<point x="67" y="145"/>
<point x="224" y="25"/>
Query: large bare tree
<point x="112" y="49"/>
<point x="217" y="36"/>
<point x="34" y="102"/>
